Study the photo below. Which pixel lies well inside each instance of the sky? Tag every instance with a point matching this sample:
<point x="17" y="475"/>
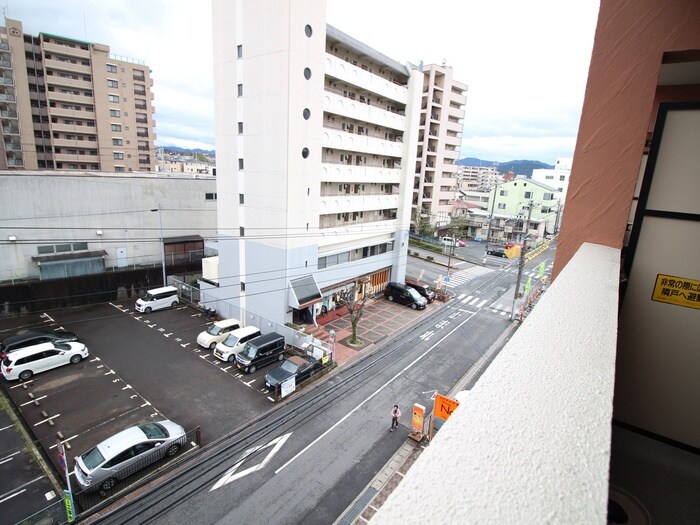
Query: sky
<point x="525" y="62"/>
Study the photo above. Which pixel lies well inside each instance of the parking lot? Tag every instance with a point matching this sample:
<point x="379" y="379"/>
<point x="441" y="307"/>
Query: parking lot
<point x="141" y="368"/>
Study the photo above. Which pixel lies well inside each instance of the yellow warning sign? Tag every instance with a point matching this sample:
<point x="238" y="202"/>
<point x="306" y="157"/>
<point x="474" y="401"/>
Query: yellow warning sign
<point x="677" y="290"/>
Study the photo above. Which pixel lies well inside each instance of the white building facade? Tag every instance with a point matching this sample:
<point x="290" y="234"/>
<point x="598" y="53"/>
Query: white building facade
<point x="314" y="135"/>
<point x="556" y="178"/>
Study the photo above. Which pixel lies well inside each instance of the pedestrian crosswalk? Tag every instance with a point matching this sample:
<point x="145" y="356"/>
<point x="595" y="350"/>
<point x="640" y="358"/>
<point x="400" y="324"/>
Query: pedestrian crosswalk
<point x="478" y="303"/>
<point x="468" y="274"/>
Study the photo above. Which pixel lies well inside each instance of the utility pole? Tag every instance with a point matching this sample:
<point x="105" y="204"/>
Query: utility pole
<point x="493" y="204"/>
<point x="521" y="260"/>
<point x="556" y="221"/>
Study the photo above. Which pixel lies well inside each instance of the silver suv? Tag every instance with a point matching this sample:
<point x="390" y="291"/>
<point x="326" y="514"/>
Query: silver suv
<point x="127" y="452"/>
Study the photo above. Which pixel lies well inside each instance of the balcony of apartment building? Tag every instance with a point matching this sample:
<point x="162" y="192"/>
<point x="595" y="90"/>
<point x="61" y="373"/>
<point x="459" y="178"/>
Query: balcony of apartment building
<point x="140" y="90"/>
<point x="330" y="189"/>
<point x="362" y="106"/>
<point x="73" y="139"/>
<point x="340" y="69"/>
<point x="8" y="110"/>
<point x="10" y="127"/>
<point x="71" y="111"/>
<point x="386" y="145"/>
<point x="140" y="104"/>
<point x="72" y="126"/>
<point x="7" y="94"/>
<point x="5" y="60"/>
<point x="12" y="143"/>
<point x="66" y="48"/>
<point x="453" y="138"/>
<point x="68" y="81"/>
<point x="68" y="65"/>
<point x="6" y="79"/>
<point x="142" y="132"/>
<point x="357" y="205"/>
<point x="69" y="155"/>
<point x="138" y="76"/>
<point x="354" y="226"/>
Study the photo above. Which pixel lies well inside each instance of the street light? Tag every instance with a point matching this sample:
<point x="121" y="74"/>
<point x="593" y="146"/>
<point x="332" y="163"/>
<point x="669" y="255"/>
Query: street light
<point x="162" y="243"/>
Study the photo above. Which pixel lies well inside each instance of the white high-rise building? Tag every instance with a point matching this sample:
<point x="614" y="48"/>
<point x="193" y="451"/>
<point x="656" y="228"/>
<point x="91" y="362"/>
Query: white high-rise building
<point x="557" y="178"/>
<point x="316" y="135"/>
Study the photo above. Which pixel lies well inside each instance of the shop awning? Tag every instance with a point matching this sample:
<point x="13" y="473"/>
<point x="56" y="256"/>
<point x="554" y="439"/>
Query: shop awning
<point x="304" y="292"/>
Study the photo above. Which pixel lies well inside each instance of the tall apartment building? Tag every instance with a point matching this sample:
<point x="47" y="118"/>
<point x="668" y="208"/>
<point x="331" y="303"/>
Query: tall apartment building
<point x="66" y="104"/>
<point x="316" y="138"/>
<point x="439" y="139"/>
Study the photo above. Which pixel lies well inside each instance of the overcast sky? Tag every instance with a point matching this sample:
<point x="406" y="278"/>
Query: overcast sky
<point x="525" y="62"/>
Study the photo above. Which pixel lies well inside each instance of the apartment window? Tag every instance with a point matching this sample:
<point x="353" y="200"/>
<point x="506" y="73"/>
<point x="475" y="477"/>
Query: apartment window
<point x="114" y="113"/>
<point x="242" y="287"/>
<point x="240" y="128"/>
<point x="528" y="195"/>
<point x="239" y="50"/>
<point x="210" y="196"/>
<point x="548" y="196"/>
<point x="111" y="68"/>
<point x="118" y="156"/>
<point x="241" y="231"/>
<point x="501" y="205"/>
<point x="503" y="193"/>
<point x="116" y="127"/>
<point x="114" y="99"/>
<point x="112" y="83"/>
<point x="119" y="169"/>
<point x="562" y="177"/>
<point x="240" y="90"/>
<point x="241" y="199"/>
<point x="240" y="164"/>
<point x="117" y="142"/>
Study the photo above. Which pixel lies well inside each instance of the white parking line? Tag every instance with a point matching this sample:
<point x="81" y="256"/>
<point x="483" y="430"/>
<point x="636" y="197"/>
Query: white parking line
<point x="32" y="401"/>
<point x="8" y="457"/>
<point x="47" y="419"/>
<point x="12" y="495"/>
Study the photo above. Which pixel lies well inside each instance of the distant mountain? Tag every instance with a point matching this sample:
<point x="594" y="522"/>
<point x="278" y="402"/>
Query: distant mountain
<point x="519" y="167"/>
<point x="177" y="149"/>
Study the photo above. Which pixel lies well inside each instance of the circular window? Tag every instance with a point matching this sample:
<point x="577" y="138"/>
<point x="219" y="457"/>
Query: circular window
<point x="308" y="30"/>
<point x="307" y="73"/>
<point x="307" y="113"/>
<point x="305" y="152"/>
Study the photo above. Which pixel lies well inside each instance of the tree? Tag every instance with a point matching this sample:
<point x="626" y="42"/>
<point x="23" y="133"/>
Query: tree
<point x="424" y="227"/>
<point x="355" y="309"/>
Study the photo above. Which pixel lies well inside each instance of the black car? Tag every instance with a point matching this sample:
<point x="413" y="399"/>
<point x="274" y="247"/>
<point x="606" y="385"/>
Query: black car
<point x="15" y="342"/>
<point x="422" y="289"/>
<point x="403" y="294"/>
<point x="497" y="252"/>
<point x="300" y="366"/>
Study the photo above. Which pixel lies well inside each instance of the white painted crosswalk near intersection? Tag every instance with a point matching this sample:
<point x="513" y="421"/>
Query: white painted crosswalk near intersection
<point x="468" y="274"/>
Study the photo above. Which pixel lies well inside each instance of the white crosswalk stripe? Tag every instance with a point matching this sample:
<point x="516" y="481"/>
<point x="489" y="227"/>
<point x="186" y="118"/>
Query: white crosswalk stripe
<point x="468" y="274"/>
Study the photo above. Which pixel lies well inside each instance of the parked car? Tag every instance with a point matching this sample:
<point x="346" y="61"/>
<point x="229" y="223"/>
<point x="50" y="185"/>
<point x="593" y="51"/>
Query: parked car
<point x="127" y="452"/>
<point x="260" y="351"/>
<point x="157" y="299"/>
<point x="227" y="349"/>
<point x="496" y="252"/>
<point x="403" y="294"/>
<point x="25" y="362"/>
<point x="422" y="288"/>
<point x="217" y="332"/>
<point x="300" y="366"/>
<point x="461" y="243"/>
<point x="14" y="342"/>
<point x="449" y="241"/>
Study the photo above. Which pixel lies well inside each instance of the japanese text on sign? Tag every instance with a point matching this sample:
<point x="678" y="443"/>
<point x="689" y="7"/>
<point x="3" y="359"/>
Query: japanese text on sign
<point x="677" y="290"/>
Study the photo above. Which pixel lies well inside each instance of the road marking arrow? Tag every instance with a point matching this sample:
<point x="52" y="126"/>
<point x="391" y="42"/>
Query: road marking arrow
<point x="232" y="475"/>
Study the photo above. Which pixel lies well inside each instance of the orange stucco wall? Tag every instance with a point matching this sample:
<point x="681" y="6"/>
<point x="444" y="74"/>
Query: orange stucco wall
<point x="631" y="38"/>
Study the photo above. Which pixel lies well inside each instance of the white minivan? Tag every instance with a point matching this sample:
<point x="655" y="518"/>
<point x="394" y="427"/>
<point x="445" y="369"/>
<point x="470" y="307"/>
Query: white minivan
<point x="25" y="362"/>
<point x="227" y="349"/>
<point x="157" y="299"/>
<point x="217" y="332"/>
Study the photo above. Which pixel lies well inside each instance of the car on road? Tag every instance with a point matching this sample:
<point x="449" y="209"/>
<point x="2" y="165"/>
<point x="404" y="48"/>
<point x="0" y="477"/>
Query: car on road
<point x="461" y="243"/>
<point x="127" y="452"/>
<point x="403" y="294"/>
<point x="14" y="342"/>
<point x="300" y="366"/>
<point x="422" y="288"/>
<point x="496" y="252"/>
<point x="217" y="332"/>
<point x="227" y="349"/>
<point x="25" y="362"/>
<point x="449" y="241"/>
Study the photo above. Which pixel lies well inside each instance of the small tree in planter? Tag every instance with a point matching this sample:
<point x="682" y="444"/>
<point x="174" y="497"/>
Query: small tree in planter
<point x="355" y="309"/>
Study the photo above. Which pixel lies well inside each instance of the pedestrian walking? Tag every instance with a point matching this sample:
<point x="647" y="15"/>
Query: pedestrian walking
<point x="395" y="415"/>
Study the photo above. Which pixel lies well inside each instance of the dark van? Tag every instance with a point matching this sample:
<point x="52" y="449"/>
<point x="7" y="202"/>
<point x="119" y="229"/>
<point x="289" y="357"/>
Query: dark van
<point x="260" y="351"/>
<point x="421" y="288"/>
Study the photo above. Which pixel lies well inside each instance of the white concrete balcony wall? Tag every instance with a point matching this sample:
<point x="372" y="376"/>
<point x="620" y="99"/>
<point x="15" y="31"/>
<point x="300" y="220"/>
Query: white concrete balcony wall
<point x="336" y="139"/>
<point x="351" y="203"/>
<point x="346" y="173"/>
<point x="530" y="442"/>
<point x="355" y="233"/>
<point x="355" y="75"/>
<point x="339" y="105"/>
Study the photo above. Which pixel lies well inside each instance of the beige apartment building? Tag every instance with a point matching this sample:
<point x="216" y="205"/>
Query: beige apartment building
<point x="66" y="104"/>
<point x="439" y="139"/>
